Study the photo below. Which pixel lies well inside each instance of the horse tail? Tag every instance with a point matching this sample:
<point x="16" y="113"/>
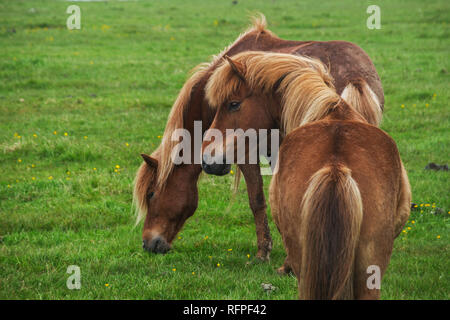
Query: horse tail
<point x="237" y="180"/>
<point x="358" y="94"/>
<point x="331" y="215"/>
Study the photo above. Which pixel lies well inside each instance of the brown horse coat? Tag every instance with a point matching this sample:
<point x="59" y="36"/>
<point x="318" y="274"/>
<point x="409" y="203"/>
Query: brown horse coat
<point x="354" y="74"/>
<point x="340" y="194"/>
<point x="333" y="239"/>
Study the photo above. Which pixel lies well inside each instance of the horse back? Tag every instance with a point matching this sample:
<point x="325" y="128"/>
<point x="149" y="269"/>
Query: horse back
<point x="370" y="154"/>
<point x="348" y="62"/>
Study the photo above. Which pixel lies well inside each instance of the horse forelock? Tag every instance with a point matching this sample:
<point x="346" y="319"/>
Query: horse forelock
<point x="145" y="178"/>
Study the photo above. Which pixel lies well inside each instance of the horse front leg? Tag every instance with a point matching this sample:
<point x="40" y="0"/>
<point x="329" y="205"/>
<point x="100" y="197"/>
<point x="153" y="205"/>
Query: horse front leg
<point x="254" y="181"/>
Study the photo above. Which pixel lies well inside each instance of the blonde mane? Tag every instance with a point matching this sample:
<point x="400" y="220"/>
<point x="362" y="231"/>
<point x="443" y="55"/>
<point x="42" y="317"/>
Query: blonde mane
<point x="180" y="107"/>
<point x="305" y="84"/>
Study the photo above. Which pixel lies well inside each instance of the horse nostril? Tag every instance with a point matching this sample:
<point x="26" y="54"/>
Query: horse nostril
<point x="155" y="244"/>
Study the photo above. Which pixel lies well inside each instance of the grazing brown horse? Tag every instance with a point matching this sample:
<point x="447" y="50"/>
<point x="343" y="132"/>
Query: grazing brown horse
<point x="340" y="194"/>
<point x="159" y="182"/>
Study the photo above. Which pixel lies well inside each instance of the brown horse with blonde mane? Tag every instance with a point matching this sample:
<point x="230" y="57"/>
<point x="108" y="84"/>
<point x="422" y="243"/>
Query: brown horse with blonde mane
<point x="340" y="194"/>
<point x="166" y="194"/>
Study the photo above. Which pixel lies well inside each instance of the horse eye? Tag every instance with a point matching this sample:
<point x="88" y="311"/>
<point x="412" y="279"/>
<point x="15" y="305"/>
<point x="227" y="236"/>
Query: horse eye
<point x="234" y="106"/>
<point x="150" y="195"/>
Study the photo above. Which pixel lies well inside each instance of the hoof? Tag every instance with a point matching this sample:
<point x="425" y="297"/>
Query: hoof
<point x="284" y="270"/>
<point x="263" y="256"/>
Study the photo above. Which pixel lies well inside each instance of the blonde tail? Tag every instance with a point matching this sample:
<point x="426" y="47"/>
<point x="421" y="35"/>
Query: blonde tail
<point x="359" y="95"/>
<point x="331" y="216"/>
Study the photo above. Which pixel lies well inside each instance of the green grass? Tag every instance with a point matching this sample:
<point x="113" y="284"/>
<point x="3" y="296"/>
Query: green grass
<point x="114" y="82"/>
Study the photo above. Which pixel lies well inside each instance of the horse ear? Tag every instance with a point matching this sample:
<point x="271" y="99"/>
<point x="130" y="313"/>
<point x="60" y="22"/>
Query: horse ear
<point x="237" y="67"/>
<point x="152" y="162"/>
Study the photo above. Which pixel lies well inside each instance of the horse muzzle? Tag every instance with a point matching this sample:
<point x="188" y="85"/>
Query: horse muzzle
<point x="218" y="169"/>
<point x="156" y="245"/>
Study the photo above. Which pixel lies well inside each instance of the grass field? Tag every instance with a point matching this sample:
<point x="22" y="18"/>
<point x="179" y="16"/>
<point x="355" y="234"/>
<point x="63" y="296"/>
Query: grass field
<point x="76" y="104"/>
